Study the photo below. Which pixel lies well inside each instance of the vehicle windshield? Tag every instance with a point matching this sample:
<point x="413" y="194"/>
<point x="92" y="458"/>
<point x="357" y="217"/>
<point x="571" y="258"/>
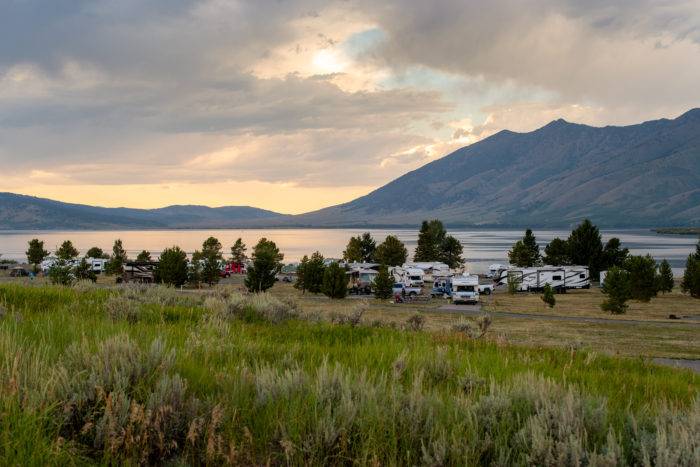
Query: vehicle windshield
<point x="465" y="288"/>
<point x="415" y="278"/>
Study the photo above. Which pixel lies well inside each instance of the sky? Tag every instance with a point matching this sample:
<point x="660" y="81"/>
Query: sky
<point x="294" y="105"/>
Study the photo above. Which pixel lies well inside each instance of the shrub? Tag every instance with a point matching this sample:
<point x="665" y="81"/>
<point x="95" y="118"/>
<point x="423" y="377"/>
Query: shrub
<point x="267" y="262"/>
<point x="335" y="282"/>
<point x="474" y="329"/>
<point x="383" y="283"/>
<point x="123" y="403"/>
<point x="254" y="307"/>
<point x="514" y="282"/>
<point x="172" y="267"/>
<point x="84" y="272"/>
<point x="120" y="308"/>
<point x="61" y="273"/>
<point x="548" y="296"/>
<point x="617" y="288"/>
<point x="415" y="322"/>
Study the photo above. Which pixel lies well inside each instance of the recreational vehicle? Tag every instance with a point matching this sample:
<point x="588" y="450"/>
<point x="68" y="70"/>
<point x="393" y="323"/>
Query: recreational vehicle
<point x="557" y="277"/>
<point x="431" y="270"/>
<point x="495" y="270"/>
<point x="465" y="289"/>
<point x="142" y="272"/>
<point x="443" y="287"/>
<point x="412" y="277"/>
<point x="97" y="265"/>
<point x="361" y="280"/>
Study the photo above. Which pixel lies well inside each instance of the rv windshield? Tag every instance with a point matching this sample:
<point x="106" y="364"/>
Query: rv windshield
<point x="414" y="278"/>
<point x="465" y="288"/>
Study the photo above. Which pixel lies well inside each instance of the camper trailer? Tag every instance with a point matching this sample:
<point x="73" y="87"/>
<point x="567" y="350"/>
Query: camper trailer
<point x="465" y="289"/>
<point x="412" y="277"/>
<point x="142" y="272"/>
<point x="559" y="278"/>
<point x="97" y="265"/>
<point x="361" y="280"/>
<point x="495" y="270"/>
<point x="431" y="270"/>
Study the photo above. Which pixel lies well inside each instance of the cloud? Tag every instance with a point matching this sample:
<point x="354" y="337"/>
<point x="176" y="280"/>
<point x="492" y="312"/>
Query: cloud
<point x="317" y="94"/>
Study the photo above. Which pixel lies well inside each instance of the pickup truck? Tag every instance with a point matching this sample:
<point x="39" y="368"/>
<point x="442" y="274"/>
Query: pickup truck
<point x="407" y="290"/>
<point x="486" y="289"/>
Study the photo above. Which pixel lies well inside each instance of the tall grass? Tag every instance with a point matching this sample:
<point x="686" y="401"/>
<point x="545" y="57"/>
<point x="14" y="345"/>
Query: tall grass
<point x="236" y="379"/>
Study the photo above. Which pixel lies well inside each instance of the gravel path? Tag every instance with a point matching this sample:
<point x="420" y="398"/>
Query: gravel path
<point x="471" y="310"/>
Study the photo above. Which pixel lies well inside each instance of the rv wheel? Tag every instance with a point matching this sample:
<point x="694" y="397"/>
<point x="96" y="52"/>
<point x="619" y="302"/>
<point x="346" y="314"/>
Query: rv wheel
<point x="487" y="292"/>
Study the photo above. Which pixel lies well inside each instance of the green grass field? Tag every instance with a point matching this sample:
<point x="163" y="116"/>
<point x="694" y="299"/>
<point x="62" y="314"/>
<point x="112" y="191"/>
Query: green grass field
<point x="150" y="375"/>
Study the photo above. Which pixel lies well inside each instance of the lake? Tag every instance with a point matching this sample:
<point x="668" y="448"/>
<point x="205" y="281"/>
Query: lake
<point x="481" y="247"/>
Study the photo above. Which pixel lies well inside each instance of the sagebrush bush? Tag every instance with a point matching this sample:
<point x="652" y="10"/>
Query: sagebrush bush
<point x="252" y="307"/>
<point x="415" y="322"/>
<point x="123" y="403"/>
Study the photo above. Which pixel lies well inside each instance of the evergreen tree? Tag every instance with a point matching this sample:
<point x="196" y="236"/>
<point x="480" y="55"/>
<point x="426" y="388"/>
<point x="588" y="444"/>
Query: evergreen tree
<point x="586" y="247"/>
<point x="96" y="252"/>
<point x="360" y="249"/>
<point x="451" y="252"/>
<point x="83" y="271"/>
<point x="665" y="278"/>
<point x="525" y="253"/>
<point x="267" y="262"/>
<point x="391" y="252"/>
<point x="430" y="239"/>
<point x="172" y="267"/>
<point x="691" y="276"/>
<point x="313" y="273"/>
<point x="335" y="282"/>
<point x="36" y="253"/>
<point x="697" y="250"/>
<point x="642" y="277"/>
<point x="212" y="257"/>
<point x="614" y="254"/>
<point x="61" y="273"/>
<point x="67" y="251"/>
<point x="548" y="296"/>
<point x="556" y="253"/>
<point x="383" y="283"/>
<point x="194" y="270"/>
<point x="300" y="283"/>
<point x="118" y="258"/>
<point x="353" y="251"/>
<point x="238" y="252"/>
<point x="144" y="257"/>
<point x="617" y="288"/>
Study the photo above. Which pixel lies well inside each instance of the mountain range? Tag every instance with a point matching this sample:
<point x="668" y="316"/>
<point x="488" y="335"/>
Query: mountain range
<point x="618" y="176"/>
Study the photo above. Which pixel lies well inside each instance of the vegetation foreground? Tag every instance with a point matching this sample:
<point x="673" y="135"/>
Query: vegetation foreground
<point x="150" y="375"/>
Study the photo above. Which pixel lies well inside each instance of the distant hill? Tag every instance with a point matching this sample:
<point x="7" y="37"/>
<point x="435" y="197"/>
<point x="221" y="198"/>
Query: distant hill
<point x="639" y="175"/>
<point x="19" y="212"/>
<point x="645" y="175"/>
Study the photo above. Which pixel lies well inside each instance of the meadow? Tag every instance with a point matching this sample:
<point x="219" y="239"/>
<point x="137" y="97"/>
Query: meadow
<point x="143" y="375"/>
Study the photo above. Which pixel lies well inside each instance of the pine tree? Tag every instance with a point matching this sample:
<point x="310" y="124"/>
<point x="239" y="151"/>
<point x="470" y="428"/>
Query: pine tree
<point x="144" y="257"/>
<point x="266" y="263"/>
<point x="368" y="246"/>
<point x="67" y="251"/>
<point x="556" y="253"/>
<point x="383" y="283"/>
<point x="617" y="288"/>
<point x="353" y="251"/>
<point x="194" y="271"/>
<point x="691" y="276"/>
<point x="313" y="273"/>
<point x="238" y="250"/>
<point x="172" y="267"/>
<point x="614" y="254"/>
<point x="642" y="277"/>
<point x="212" y="257"/>
<point x="96" y="252"/>
<point x="391" y="252"/>
<point x="118" y="258"/>
<point x="451" y="252"/>
<point x="36" y="253"/>
<point x="665" y="278"/>
<point x="430" y="239"/>
<point x="525" y="253"/>
<point x="335" y="282"/>
<point x="586" y="247"/>
<point x="300" y="283"/>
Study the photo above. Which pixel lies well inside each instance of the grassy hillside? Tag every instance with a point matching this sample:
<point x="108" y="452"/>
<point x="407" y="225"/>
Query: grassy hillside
<point x="149" y="374"/>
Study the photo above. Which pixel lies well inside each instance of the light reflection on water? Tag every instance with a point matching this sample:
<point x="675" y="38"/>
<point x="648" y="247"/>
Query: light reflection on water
<point x="481" y="247"/>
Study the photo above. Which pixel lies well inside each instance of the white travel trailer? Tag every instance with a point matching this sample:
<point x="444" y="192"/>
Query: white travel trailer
<point x="465" y="289"/>
<point x="98" y="265"/>
<point x="412" y="277"/>
<point x="495" y="270"/>
<point x="431" y="270"/>
<point x="557" y="277"/>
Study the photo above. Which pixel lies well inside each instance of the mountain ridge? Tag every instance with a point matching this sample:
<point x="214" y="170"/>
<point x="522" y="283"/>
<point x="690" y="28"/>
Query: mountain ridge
<point x="642" y="175"/>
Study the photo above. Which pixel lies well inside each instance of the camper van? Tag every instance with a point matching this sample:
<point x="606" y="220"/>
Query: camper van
<point x="557" y="277"/>
<point x="465" y="289"/>
<point x="361" y="280"/>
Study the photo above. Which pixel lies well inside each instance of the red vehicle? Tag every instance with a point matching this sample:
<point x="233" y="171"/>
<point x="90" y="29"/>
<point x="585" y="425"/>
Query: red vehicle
<point x="232" y="268"/>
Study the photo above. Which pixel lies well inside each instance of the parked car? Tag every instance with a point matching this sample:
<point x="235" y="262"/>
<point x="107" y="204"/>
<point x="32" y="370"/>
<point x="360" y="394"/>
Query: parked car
<point x="405" y="290"/>
<point x="19" y="272"/>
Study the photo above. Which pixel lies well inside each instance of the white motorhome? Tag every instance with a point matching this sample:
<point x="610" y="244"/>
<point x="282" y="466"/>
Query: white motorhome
<point x="557" y="277"/>
<point x="98" y="265"/>
<point x="465" y="289"/>
<point x="412" y="277"/>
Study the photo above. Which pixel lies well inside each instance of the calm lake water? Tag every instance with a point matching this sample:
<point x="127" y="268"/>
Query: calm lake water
<point x="481" y="247"/>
